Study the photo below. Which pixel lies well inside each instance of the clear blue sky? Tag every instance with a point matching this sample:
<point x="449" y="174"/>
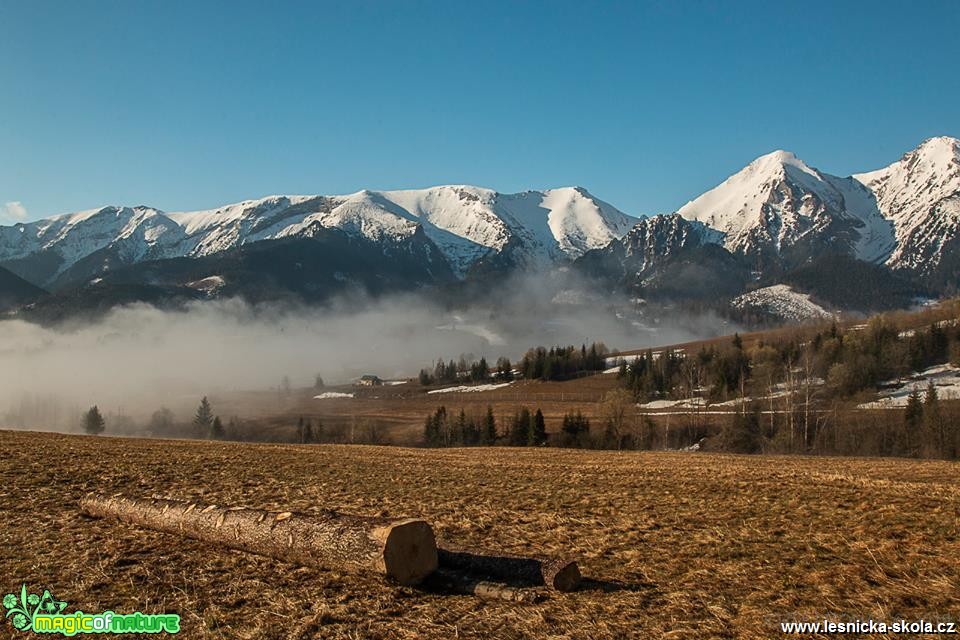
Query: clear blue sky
<point x="184" y="105"/>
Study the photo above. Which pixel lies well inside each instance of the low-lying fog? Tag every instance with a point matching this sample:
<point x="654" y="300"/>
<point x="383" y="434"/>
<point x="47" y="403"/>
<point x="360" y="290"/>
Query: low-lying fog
<point x="138" y="358"/>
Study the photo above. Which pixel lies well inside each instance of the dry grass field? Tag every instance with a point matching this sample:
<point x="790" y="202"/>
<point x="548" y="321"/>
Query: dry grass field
<point x="399" y="411"/>
<point x="672" y="545"/>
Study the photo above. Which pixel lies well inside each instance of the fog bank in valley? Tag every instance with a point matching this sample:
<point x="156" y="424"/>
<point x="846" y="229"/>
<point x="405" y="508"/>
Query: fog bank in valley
<point x="138" y="358"/>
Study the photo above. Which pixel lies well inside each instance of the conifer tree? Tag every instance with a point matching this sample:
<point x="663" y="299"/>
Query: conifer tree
<point x="204" y="418"/>
<point x="912" y="421"/>
<point x="93" y="422"/>
<point x="504" y="369"/>
<point x="538" y="430"/>
<point x="489" y="428"/>
<point x="460" y="432"/>
<point x="300" y="432"/>
<point x="520" y="428"/>
<point x="575" y="429"/>
<point x="216" y="429"/>
<point x="933" y="421"/>
<point x="430" y="435"/>
<point x="308" y="432"/>
<point x="442" y="426"/>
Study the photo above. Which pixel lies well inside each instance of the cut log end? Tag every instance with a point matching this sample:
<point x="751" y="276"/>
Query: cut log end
<point x="566" y="578"/>
<point x="409" y="551"/>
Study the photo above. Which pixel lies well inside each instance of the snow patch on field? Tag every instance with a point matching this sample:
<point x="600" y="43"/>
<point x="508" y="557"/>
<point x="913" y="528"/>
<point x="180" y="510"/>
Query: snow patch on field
<point x="782" y="301"/>
<point x="332" y="394"/>
<point x="945" y="377"/>
<point x="671" y="404"/>
<point x="472" y="389"/>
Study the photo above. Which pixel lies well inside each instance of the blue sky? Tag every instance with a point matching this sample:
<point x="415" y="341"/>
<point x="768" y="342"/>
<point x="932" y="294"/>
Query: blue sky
<point x="188" y="105"/>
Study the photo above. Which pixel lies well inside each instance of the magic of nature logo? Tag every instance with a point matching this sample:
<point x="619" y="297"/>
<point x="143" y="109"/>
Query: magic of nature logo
<point x="44" y="614"/>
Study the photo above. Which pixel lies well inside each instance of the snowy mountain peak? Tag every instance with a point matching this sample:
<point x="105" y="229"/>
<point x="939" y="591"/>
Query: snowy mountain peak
<point x="920" y="195"/>
<point x="942" y="149"/>
<point x="777" y="158"/>
<point x="769" y="205"/>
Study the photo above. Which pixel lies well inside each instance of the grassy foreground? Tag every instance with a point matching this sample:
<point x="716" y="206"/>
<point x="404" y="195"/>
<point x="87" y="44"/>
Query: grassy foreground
<point x="673" y="545"/>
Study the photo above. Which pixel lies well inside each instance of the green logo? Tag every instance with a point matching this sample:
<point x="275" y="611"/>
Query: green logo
<point x="44" y="614"/>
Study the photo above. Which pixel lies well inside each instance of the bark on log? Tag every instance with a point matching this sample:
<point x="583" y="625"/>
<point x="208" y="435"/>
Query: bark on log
<point x="405" y="550"/>
<point x="557" y="573"/>
<point x="446" y="580"/>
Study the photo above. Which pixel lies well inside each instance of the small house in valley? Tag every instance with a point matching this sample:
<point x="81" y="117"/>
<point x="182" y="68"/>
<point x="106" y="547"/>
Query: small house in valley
<point x="369" y="381"/>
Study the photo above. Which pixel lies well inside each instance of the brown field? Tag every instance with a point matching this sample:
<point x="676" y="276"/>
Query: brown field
<point x="399" y="411"/>
<point x="673" y="545"/>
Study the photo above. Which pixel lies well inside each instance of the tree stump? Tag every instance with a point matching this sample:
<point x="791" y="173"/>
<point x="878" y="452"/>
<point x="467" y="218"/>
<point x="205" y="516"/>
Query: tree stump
<point x="403" y="549"/>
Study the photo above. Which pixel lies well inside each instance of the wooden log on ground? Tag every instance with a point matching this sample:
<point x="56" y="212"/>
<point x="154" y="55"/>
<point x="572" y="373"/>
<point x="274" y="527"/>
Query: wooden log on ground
<point x="558" y="573"/>
<point x="449" y="581"/>
<point x="405" y="550"/>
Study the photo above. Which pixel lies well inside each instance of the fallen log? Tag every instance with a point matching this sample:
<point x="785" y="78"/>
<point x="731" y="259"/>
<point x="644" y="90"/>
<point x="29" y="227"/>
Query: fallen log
<point x="448" y="581"/>
<point x="558" y="573"/>
<point x="405" y="549"/>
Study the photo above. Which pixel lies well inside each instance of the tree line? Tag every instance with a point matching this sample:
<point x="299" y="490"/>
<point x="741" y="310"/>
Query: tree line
<point x="538" y="363"/>
<point x="525" y="428"/>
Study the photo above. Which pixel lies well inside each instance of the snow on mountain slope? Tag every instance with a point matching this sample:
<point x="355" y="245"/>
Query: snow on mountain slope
<point x="552" y="224"/>
<point x="465" y="223"/>
<point x="782" y="301"/>
<point x="579" y="222"/>
<point x="876" y="235"/>
<point x="778" y="201"/>
<point x="137" y="233"/>
<point x="461" y="220"/>
<point x="920" y="195"/>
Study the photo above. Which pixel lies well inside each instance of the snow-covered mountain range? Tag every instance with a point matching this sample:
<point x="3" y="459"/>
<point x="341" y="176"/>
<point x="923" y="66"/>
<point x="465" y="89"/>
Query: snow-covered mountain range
<point x="779" y="220"/>
<point x="466" y="224"/>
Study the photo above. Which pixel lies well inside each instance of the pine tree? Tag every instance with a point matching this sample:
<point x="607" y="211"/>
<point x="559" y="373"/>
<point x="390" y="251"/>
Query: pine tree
<point x="933" y="421"/>
<point x="912" y="421"/>
<point x="216" y="429"/>
<point x="520" y="428"/>
<point x="308" y="432"/>
<point x="300" y="432"/>
<point x="489" y="428"/>
<point x="538" y="430"/>
<point x="435" y="429"/>
<point x="161" y="422"/>
<point x="460" y="433"/>
<point x="442" y="426"/>
<point x="430" y="432"/>
<point x="504" y="369"/>
<point x="204" y="417"/>
<point x="318" y="382"/>
<point x="233" y="428"/>
<point x="575" y="429"/>
<point x="93" y="422"/>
